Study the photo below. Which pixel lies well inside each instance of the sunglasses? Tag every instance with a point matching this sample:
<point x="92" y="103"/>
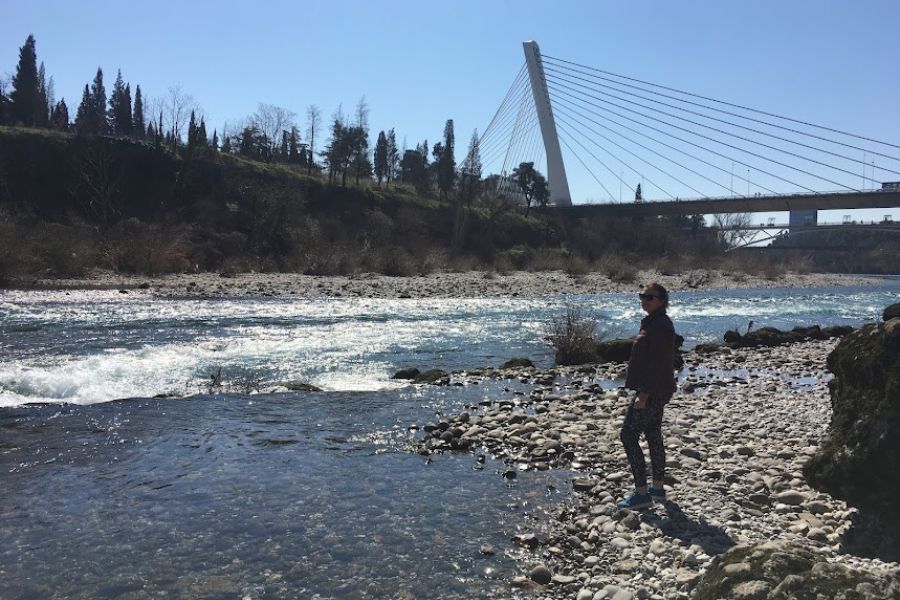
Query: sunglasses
<point x="647" y="296"/>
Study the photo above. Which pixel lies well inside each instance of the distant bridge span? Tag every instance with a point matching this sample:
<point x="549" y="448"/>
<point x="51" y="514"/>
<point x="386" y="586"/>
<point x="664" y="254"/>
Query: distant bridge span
<point x="709" y="206"/>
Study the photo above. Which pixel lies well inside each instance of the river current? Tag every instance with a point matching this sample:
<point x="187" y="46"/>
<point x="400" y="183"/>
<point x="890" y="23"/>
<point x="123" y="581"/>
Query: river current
<point x="210" y="490"/>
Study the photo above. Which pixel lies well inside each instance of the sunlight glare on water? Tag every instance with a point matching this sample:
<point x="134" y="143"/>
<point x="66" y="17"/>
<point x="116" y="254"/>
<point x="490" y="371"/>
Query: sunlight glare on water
<point x="95" y="346"/>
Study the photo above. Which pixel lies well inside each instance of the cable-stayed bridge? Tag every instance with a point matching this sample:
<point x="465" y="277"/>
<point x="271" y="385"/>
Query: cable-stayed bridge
<point x="690" y="153"/>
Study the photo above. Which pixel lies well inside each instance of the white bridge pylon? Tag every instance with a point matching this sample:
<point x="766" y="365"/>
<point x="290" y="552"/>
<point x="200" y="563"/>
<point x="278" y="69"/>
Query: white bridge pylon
<point x="556" y="170"/>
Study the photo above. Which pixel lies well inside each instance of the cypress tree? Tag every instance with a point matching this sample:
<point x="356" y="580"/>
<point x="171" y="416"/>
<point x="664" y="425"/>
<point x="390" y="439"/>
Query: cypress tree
<point x="25" y="96"/>
<point x="120" y="107"/>
<point x="380" y="158"/>
<point x="98" y="103"/>
<point x="192" y="131"/>
<point x="137" y="120"/>
<point x="125" y="116"/>
<point x="60" y="118"/>
<point x="85" y="117"/>
<point x="3" y="103"/>
<point x="42" y="110"/>
<point x="202" y="139"/>
<point x="215" y="140"/>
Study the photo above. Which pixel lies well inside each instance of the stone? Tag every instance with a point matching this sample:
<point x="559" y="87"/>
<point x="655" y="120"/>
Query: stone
<point x="435" y="376"/>
<point x="626" y="565"/>
<point x="584" y="594"/>
<point x="891" y="312"/>
<point x="863" y="441"/>
<point x="780" y="570"/>
<point x="541" y="574"/>
<point x="406" y="374"/>
<point x="517" y="363"/>
<point x="751" y="590"/>
<point x="791" y="497"/>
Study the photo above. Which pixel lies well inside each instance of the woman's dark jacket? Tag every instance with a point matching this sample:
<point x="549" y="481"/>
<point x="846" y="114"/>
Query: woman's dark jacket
<point x="650" y="368"/>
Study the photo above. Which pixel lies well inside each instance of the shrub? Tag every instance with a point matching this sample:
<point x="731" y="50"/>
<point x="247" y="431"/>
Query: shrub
<point x="573" y="337"/>
<point x="618" y="268"/>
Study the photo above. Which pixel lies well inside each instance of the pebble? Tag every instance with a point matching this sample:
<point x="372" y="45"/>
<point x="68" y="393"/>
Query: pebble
<point x="734" y="473"/>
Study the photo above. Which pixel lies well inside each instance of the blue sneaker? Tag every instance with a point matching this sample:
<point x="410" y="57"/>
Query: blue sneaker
<point x="635" y="501"/>
<point x="657" y="494"/>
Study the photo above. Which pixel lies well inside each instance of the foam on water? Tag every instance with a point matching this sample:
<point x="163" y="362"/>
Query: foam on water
<point x="87" y="347"/>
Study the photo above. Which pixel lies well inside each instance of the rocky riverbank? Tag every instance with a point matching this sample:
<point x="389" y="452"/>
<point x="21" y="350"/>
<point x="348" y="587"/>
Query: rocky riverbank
<point x="736" y="446"/>
<point x="471" y="284"/>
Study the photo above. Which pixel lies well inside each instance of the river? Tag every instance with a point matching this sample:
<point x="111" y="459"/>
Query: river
<point x="108" y="492"/>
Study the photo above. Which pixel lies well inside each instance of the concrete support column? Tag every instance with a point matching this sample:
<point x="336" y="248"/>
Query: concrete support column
<point x="556" y="171"/>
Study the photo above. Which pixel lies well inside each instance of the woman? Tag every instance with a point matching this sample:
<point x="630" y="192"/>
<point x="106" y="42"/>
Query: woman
<point x="651" y="375"/>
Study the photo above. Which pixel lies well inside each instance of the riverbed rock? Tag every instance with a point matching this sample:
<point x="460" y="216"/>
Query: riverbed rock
<point x="406" y="374"/>
<point x="863" y="444"/>
<point x="435" y="376"/>
<point x="517" y="363"/>
<point x="541" y="574"/>
<point x="891" y="312"/>
<point x="781" y="570"/>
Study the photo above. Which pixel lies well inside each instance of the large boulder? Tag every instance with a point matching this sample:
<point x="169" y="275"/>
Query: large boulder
<point x="777" y="570"/>
<point x="771" y="336"/>
<point x="891" y="312"/>
<point x="858" y="460"/>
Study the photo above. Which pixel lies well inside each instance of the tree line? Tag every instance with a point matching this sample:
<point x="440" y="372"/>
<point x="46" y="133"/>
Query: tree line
<point x="271" y="134"/>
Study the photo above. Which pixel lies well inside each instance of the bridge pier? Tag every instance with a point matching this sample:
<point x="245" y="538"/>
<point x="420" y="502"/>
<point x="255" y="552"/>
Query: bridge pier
<point x="803" y="218"/>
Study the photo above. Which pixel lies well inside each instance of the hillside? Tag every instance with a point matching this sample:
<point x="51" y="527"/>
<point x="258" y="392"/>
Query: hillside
<point x="71" y="204"/>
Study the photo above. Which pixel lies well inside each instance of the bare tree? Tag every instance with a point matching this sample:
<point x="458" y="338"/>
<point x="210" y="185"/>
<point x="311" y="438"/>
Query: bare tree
<point x="733" y="228"/>
<point x="362" y="114"/>
<point x="313" y="123"/>
<point x="271" y="120"/>
<point x="177" y="107"/>
<point x="99" y="179"/>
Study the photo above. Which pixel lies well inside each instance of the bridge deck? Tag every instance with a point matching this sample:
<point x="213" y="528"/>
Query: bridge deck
<point x="707" y="206"/>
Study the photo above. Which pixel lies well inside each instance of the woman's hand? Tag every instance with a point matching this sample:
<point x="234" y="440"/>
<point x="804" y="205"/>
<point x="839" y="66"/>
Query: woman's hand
<point x="641" y="402"/>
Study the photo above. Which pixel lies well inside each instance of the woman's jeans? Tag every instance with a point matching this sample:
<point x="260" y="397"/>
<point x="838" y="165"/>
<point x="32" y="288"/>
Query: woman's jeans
<point x="647" y="421"/>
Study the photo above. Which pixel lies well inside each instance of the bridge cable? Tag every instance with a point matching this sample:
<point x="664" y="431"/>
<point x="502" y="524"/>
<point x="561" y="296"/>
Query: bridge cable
<point x="651" y="150"/>
<point x="712" y="108"/>
<point x="747" y="108"/>
<point x="594" y="156"/>
<point x="516" y="82"/>
<point x="732" y="146"/>
<point x="724" y="132"/>
<point x="595" y="132"/>
<point x="502" y="117"/>
<point x="678" y="150"/>
<point x="563" y="140"/>
<point x="565" y="120"/>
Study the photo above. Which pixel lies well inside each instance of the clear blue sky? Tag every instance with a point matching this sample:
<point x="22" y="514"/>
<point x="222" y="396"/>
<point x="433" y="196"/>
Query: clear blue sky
<point x="419" y="63"/>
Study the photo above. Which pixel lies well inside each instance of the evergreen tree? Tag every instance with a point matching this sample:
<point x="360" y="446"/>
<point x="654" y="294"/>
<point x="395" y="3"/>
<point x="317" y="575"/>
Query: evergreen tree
<point x="359" y="159"/>
<point x="294" y="146"/>
<point x="215" y="140"/>
<point x="393" y="155"/>
<point x="445" y="162"/>
<point x="137" y="119"/>
<point x="202" y="138"/>
<point x="24" y="100"/>
<point x="285" y="150"/>
<point x="192" y="131"/>
<point x="3" y="103"/>
<point x="98" y="103"/>
<point x="151" y="132"/>
<point x="86" y="116"/>
<point x="638" y="195"/>
<point x="119" y="115"/>
<point x="42" y="110"/>
<point x="60" y="118"/>
<point x="470" y="171"/>
<point x="380" y="158"/>
<point x="126" y="116"/>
